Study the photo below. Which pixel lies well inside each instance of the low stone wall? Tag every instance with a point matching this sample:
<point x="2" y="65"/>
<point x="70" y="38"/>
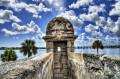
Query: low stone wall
<point x="93" y="66"/>
<point x="80" y="66"/>
<point x="38" y="67"/>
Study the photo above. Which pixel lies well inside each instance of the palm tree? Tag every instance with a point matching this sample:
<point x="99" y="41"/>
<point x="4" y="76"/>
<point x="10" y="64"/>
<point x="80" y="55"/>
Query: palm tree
<point x="9" y="55"/>
<point x="28" y="47"/>
<point x="97" y="44"/>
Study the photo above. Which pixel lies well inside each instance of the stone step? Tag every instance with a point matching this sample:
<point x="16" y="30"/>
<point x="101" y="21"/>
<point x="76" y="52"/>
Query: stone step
<point x="64" y="70"/>
<point x="57" y="70"/>
<point x="60" y="65"/>
<point x="64" y="57"/>
<point x="61" y="70"/>
<point x="64" y="53"/>
<point x="56" y="61"/>
<point x="65" y="66"/>
<point x="57" y="65"/>
<point x="64" y="50"/>
<point x="61" y="77"/>
<point x="65" y="60"/>
<point x="57" y="57"/>
<point x="60" y="60"/>
<point x="60" y="53"/>
<point x="57" y="75"/>
<point x="60" y="74"/>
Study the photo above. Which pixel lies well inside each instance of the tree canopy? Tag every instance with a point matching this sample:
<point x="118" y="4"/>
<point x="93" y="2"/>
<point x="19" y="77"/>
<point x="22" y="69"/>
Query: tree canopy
<point x="9" y="55"/>
<point x="97" y="44"/>
<point x="28" y="47"/>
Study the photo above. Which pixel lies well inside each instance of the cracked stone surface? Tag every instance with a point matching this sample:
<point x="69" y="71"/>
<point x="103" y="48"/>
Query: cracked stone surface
<point x="93" y="66"/>
<point x="38" y="67"/>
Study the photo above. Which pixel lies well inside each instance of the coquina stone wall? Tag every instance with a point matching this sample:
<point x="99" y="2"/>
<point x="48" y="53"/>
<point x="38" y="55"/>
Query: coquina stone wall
<point x="93" y="66"/>
<point x="81" y="66"/>
<point x="38" y="67"/>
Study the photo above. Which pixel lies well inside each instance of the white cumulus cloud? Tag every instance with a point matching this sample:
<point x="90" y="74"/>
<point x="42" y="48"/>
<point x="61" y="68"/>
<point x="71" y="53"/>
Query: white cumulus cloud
<point x="113" y="27"/>
<point x="82" y="38"/>
<point x="80" y="3"/>
<point x="95" y="8"/>
<point x="91" y="28"/>
<point x="33" y="38"/>
<point x="29" y="28"/>
<point x="97" y="34"/>
<point x="7" y="15"/>
<point x="109" y="40"/>
<point x="7" y="32"/>
<point x="116" y="9"/>
<point x="37" y="16"/>
<point x="18" y="6"/>
<point x="58" y="5"/>
<point x="36" y="0"/>
<point x="94" y="17"/>
<point x="71" y="16"/>
<point x="90" y="17"/>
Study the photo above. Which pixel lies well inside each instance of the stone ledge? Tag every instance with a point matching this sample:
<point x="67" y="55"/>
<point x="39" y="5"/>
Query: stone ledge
<point x="94" y="66"/>
<point x="24" y="67"/>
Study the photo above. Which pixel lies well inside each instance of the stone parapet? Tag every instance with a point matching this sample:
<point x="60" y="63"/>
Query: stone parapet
<point x="80" y="66"/>
<point x="38" y="67"/>
<point x="94" y="66"/>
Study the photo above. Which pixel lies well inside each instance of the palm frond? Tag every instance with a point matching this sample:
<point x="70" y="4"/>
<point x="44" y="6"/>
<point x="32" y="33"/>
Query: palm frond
<point x="9" y="55"/>
<point x="97" y="44"/>
<point x="28" y="47"/>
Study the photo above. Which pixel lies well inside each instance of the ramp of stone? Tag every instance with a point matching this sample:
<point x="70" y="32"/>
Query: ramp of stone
<point x="60" y="61"/>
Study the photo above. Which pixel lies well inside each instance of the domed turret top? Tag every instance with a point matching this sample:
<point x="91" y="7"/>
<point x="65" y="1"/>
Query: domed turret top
<point x="59" y="29"/>
<point x="59" y="24"/>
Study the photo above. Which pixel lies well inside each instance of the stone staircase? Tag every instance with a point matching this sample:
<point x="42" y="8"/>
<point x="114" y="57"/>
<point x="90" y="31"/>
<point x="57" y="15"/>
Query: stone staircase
<point x="60" y="70"/>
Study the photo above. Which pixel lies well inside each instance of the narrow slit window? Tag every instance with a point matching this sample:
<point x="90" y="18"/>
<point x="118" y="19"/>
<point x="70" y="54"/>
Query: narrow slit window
<point x="58" y="48"/>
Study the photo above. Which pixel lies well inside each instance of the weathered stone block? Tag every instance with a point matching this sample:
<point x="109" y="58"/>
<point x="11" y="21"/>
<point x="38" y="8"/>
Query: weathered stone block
<point x="56" y="75"/>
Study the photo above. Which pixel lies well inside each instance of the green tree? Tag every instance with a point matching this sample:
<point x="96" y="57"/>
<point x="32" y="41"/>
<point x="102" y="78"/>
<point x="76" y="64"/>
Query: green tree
<point x="9" y="55"/>
<point x="28" y="47"/>
<point x="97" y="44"/>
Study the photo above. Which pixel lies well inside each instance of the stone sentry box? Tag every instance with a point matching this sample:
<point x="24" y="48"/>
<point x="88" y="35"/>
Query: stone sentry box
<point x="59" y="29"/>
<point x="60" y="40"/>
<point x="59" y="33"/>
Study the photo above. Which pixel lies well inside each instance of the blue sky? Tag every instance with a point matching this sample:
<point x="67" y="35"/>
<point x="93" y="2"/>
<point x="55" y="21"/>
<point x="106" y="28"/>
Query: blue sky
<point x="28" y="19"/>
